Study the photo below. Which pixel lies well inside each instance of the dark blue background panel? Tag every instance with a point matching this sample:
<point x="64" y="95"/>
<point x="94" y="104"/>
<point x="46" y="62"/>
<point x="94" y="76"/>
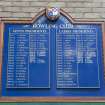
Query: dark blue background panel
<point x="52" y="58"/>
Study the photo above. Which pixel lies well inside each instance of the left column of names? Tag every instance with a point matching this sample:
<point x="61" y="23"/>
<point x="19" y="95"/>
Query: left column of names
<point x="18" y="59"/>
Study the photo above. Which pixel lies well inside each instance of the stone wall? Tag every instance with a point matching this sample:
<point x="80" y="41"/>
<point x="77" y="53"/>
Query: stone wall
<point x="93" y="9"/>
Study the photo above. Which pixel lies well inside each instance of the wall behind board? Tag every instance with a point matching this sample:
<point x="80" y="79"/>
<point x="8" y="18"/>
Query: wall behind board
<point x="94" y="9"/>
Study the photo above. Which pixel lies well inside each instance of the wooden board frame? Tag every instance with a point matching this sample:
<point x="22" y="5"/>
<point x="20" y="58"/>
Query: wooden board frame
<point x="49" y="99"/>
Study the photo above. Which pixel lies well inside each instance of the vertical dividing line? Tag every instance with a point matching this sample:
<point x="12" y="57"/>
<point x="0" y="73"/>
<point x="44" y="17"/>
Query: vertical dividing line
<point x="77" y="59"/>
<point x="28" y="60"/>
<point x="56" y="59"/>
<point x="49" y="55"/>
<point x="97" y="56"/>
<point x="103" y="46"/>
<point x="8" y="57"/>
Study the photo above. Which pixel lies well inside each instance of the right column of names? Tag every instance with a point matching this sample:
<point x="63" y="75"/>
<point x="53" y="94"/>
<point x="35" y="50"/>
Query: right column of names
<point x="77" y="58"/>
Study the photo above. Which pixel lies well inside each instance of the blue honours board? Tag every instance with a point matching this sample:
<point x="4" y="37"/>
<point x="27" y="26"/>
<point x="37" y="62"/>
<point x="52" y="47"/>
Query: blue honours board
<point x="52" y="58"/>
<point x="28" y="57"/>
<point x="77" y="60"/>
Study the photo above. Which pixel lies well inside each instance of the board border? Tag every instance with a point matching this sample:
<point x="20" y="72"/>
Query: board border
<point x="49" y="99"/>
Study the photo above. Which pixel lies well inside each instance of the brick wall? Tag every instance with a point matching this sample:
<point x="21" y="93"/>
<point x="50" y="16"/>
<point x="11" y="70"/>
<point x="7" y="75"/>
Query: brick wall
<point x="76" y="8"/>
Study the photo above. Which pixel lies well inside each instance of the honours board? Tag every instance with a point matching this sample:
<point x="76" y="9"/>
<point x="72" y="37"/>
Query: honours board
<point x="53" y="58"/>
